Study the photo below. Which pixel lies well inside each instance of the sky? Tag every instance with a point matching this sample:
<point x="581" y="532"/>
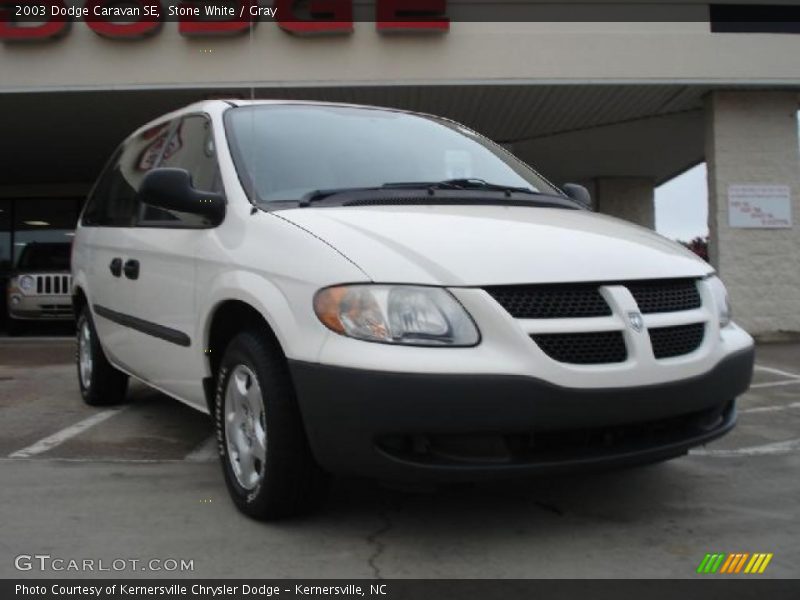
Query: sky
<point x="682" y="205"/>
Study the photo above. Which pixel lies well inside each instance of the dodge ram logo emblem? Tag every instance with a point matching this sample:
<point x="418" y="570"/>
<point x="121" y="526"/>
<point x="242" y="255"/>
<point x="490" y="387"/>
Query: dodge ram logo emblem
<point x="636" y="321"/>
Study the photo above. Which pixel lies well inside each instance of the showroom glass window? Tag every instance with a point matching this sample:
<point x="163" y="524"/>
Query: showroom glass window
<point x="6" y="245"/>
<point x="5" y="237"/>
<point x="43" y="220"/>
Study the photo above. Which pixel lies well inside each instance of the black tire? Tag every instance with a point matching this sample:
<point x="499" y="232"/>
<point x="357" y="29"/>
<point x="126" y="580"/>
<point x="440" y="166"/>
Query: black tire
<point x="290" y="481"/>
<point x="105" y="385"/>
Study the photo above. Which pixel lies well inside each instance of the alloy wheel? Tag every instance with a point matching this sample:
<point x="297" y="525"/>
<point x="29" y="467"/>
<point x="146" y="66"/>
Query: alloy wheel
<point x="245" y="427"/>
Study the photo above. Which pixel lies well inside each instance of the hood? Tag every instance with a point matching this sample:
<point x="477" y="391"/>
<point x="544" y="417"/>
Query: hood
<point x="492" y="245"/>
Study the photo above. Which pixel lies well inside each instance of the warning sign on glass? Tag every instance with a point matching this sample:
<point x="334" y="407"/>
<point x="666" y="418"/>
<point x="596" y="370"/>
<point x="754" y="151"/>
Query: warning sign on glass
<point x="760" y="206"/>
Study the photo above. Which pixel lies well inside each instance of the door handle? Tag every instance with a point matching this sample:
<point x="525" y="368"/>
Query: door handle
<point x="116" y="267"/>
<point x="131" y="269"/>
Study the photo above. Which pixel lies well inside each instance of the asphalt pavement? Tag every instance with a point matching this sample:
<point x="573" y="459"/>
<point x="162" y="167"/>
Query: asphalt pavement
<point x="140" y="482"/>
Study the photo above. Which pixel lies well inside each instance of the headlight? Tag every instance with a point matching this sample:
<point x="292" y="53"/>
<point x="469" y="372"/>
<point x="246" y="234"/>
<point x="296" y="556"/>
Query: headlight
<point x="26" y="283"/>
<point x="394" y="314"/>
<point x="721" y="300"/>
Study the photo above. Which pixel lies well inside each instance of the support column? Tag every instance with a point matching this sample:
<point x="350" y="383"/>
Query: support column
<point x="629" y="198"/>
<point x="752" y="139"/>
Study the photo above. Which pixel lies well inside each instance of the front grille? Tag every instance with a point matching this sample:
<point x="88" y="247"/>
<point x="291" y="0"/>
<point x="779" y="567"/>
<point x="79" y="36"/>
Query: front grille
<point x="676" y="340"/>
<point x="53" y="284"/>
<point x="665" y="295"/>
<point x="583" y="348"/>
<point x="56" y="308"/>
<point x="564" y="301"/>
<point x="584" y="300"/>
<point x="551" y="301"/>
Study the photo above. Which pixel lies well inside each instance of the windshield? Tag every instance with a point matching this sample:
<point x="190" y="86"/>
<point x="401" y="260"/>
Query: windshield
<point x="38" y="256"/>
<point x="283" y="152"/>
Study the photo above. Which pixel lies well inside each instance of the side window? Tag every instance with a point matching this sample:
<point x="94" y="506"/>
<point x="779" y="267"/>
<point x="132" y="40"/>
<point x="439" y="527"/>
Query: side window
<point x="191" y="147"/>
<point x="114" y="201"/>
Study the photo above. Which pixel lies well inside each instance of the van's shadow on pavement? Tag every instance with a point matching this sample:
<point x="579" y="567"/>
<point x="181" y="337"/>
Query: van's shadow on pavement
<point x="491" y="523"/>
<point x="618" y="496"/>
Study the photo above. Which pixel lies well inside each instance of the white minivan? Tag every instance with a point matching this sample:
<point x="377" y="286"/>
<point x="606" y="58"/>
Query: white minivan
<point x="369" y="291"/>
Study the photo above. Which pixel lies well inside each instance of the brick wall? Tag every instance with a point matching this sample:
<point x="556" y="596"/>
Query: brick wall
<point x="752" y="138"/>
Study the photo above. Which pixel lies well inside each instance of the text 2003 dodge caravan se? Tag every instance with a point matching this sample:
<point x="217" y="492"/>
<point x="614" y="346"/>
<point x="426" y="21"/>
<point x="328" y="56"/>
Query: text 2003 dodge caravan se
<point x="374" y="292"/>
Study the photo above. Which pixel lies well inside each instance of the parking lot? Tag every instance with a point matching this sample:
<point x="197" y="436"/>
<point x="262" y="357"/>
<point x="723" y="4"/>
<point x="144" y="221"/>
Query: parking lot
<point x="141" y="481"/>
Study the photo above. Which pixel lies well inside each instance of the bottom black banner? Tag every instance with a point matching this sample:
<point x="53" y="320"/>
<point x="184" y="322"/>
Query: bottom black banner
<point x="462" y="589"/>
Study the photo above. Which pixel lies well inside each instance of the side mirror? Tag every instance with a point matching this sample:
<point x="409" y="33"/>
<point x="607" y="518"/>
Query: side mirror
<point x="578" y="193"/>
<point x="172" y="189"/>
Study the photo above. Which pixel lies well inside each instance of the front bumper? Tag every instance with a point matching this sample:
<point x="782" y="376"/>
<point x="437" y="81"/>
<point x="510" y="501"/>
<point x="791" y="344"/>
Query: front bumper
<point x="40" y="308"/>
<point x="408" y="426"/>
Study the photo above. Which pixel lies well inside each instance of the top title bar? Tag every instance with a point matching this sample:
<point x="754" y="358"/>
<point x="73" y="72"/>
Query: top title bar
<point x="31" y="20"/>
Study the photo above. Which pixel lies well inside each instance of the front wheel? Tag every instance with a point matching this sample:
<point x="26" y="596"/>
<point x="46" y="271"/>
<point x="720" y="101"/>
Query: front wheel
<point x="268" y="466"/>
<point x="100" y="382"/>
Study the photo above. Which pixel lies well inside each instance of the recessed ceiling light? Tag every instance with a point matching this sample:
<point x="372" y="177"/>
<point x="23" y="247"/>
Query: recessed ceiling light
<point x="37" y="223"/>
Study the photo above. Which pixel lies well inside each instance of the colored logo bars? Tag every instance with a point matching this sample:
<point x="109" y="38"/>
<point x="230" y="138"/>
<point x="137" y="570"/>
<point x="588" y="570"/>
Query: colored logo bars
<point x="741" y="562"/>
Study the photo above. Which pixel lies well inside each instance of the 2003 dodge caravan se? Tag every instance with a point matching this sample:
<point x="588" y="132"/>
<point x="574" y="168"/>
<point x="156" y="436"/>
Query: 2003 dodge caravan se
<point x="368" y="291"/>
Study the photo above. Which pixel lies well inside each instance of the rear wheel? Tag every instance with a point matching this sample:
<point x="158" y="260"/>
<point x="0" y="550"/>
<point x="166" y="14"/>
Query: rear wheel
<point x="268" y="466"/>
<point x="100" y="382"/>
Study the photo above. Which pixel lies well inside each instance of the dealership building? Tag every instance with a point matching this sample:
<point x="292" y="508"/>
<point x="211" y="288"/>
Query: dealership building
<point x="620" y="107"/>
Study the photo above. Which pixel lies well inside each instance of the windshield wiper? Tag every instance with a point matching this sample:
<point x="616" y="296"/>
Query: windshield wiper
<point x="467" y="183"/>
<point x="429" y="185"/>
<point x="463" y="183"/>
<point x="481" y="184"/>
<point x="317" y="195"/>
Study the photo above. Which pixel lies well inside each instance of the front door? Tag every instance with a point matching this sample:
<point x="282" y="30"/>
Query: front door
<point x="162" y="267"/>
<point x="105" y="224"/>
